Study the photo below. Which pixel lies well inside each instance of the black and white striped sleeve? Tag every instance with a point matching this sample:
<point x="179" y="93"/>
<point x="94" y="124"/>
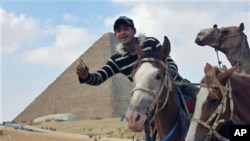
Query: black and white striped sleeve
<point x="101" y="75"/>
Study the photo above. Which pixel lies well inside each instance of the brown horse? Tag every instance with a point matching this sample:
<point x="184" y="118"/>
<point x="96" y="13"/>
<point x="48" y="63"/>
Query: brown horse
<point x="154" y="97"/>
<point x="223" y="97"/>
<point x="231" y="41"/>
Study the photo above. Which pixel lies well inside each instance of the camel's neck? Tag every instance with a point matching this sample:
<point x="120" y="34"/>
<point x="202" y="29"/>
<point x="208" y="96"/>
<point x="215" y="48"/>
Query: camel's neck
<point x="240" y="55"/>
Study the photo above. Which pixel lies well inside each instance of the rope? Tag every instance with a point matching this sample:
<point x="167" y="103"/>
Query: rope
<point x="187" y="83"/>
<point x="184" y="103"/>
<point x="218" y="59"/>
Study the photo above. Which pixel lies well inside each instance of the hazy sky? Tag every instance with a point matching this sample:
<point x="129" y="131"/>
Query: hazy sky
<point x="40" y="39"/>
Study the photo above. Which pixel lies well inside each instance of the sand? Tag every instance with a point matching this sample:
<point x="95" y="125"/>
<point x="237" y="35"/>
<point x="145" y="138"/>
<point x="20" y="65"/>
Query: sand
<point x="109" y="129"/>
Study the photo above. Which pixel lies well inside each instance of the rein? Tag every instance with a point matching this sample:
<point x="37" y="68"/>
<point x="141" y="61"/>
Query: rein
<point x="227" y="95"/>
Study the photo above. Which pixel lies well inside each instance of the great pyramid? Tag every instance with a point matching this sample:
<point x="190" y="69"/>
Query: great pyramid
<point x="67" y="95"/>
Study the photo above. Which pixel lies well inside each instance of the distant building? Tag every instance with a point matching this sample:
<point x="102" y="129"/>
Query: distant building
<point x="55" y="117"/>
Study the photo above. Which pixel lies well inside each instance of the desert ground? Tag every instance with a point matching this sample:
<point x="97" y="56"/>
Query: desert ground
<point x="109" y="129"/>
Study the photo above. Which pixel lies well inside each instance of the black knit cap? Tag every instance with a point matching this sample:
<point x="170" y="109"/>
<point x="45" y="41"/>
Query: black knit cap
<point x="123" y="19"/>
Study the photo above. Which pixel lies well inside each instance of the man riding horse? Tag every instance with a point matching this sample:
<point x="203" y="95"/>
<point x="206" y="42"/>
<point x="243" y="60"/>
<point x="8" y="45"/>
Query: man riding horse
<point x="125" y="57"/>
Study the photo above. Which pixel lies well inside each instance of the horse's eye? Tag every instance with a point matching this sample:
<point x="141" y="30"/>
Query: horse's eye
<point x="213" y="99"/>
<point x="158" y="76"/>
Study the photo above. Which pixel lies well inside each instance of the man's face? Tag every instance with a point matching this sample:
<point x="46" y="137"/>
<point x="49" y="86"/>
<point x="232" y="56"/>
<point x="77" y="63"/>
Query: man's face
<point x="124" y="33"/>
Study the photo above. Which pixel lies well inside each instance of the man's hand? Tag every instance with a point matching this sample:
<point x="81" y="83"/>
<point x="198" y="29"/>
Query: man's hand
<point x="82" y="70"/>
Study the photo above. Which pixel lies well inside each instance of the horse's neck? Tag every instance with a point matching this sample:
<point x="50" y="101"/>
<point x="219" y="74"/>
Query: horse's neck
<point x="167" y="117"/>
<point x="240" y="55"/>
<point x="240" y="93"/>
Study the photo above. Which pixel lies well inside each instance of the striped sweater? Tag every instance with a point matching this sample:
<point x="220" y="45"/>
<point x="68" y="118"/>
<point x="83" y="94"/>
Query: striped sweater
<point x="122" y="62"/>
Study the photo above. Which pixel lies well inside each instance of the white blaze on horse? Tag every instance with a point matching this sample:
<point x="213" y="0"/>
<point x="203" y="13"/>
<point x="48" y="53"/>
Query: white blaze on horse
<point x="223" y="98"/>
<point x="231" y="41"/>
<point x="154" y="97"/>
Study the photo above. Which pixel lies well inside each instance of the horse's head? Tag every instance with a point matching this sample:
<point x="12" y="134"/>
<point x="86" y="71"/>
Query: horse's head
<point x="223" y="39"/>
<point x="149" y="76"/>
<point x="213" y="103"/>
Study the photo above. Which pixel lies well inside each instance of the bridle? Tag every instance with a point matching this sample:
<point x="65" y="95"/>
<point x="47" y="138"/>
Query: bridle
<point x="221" y="40"/>
<point x="166" y="82"/>
<point x="226" y="96"/>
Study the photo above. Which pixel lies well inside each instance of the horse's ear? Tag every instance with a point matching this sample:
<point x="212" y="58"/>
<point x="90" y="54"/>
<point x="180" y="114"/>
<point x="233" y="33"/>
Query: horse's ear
<point x="139" y="50"/>
<point x="207" y="67"/>
<point x="165" y="49"/>
<point x="241" y="27"/>
<point x="223" y="77"/>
